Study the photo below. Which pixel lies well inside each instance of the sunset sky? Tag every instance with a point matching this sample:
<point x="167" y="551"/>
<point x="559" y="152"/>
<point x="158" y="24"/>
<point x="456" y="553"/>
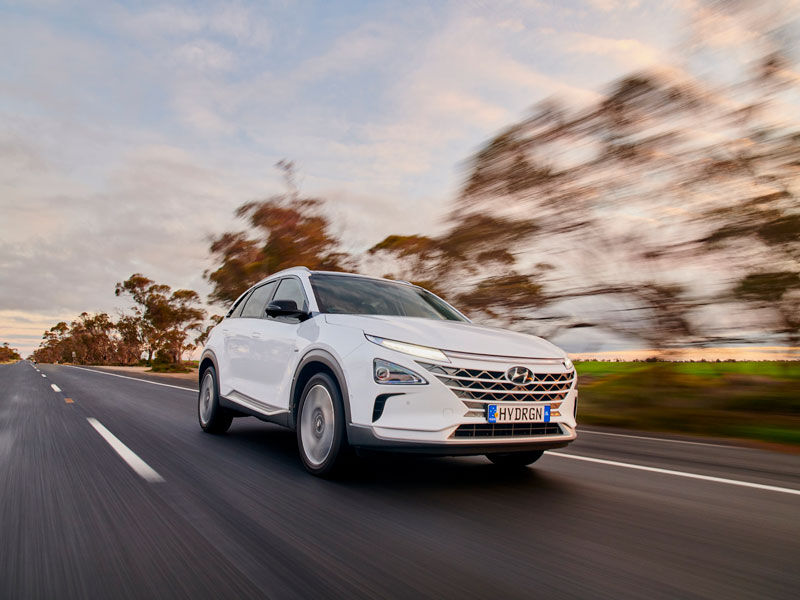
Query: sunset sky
<point x="129" y="133"/>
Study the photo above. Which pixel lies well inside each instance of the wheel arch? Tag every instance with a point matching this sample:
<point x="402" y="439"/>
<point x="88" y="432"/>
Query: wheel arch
<point x="313" y="362"/>
<point x="208" y="358"/>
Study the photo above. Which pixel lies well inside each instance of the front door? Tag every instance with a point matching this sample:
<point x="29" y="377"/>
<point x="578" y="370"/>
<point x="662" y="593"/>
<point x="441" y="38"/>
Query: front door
<point x="274" y="341"/>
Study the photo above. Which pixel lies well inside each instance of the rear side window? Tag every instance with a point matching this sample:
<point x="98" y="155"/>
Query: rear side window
<point x="257" y="302"/>
<point x="291" y="289"/>
<point x="236" y="311"/>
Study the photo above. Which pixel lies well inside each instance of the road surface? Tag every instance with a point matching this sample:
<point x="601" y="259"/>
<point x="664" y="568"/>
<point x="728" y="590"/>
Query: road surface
<point x="108" y="488"/>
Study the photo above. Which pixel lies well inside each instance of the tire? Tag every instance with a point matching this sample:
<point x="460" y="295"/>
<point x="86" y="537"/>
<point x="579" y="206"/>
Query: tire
<point x="515" y="460"/>
<point x="213" y="417"/>
<point x="321" y="437"/>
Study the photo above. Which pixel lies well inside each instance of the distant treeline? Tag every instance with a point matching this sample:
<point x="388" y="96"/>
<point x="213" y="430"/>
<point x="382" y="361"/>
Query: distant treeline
<point x="160" y="328"/>
<point x="8" y="354"/>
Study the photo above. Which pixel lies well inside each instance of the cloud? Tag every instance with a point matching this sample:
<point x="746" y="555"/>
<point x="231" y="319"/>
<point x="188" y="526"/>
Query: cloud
<point x="629" y="52"/>
<point x="366" y="46"/>
<point x="204" y="55"/>
<point x="613" y="5"/>
<point x="237" y="22"/>
<point x="129" y="133"/>
<point x="153" y="214"/>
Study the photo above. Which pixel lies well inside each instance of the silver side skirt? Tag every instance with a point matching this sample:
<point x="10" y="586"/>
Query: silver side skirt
<point x="260" y="407"/>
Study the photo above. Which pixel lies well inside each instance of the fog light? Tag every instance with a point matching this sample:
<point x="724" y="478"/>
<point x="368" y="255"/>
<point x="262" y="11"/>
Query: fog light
<point x="386" y="372"/>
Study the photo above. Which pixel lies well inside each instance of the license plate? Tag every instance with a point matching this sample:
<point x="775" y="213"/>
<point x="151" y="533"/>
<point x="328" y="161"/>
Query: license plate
<point x="514" y="412"/>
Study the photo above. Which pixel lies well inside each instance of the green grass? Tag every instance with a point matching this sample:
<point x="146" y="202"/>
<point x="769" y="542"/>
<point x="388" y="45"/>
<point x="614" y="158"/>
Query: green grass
<point x="780" y="369"/>
<point x="753" y="400"/>
<point x="775" y="369"/>
<point x="170" y="367"/>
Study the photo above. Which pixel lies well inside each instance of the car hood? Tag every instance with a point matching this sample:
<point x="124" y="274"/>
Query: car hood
<point x="450" y="335"/>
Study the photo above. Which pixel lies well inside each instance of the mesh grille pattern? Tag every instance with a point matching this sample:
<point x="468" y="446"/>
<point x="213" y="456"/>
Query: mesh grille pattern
<point x="493" y="430"/>
<point x="484" y="386"/>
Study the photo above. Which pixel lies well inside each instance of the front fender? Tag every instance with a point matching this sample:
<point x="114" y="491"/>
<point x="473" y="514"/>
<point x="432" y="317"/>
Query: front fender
<point x="326" y="358"/>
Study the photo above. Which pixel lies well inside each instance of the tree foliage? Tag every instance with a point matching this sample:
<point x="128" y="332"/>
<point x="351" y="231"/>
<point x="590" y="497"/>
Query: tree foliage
<point x="91" y="339"/>
<point x="162" y="322"/>
<point x="285" y="230"/>
<point x="635" y="202"/>
<point x="8" y="354"/>
<point x="165" y="318"/>
<point x="473" y="263"/>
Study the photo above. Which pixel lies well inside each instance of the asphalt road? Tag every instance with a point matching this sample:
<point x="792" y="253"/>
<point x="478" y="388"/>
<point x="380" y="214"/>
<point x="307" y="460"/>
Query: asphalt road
<point x="236" y="516"/>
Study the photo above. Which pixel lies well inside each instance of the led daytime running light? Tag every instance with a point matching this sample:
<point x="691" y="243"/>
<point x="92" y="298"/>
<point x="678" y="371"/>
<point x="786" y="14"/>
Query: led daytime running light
<point x="412" y="349"/>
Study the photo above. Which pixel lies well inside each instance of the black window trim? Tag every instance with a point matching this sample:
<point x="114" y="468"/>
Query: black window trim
<point x="239" y="302"/>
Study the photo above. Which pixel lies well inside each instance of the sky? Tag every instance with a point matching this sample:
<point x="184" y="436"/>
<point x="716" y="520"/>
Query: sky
<point x="130" y="132"/>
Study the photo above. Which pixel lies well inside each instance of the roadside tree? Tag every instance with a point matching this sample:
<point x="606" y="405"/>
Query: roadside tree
<point x="164" y="318"/>
<point x="8" y="354"/>
<point x="283" y="231"/>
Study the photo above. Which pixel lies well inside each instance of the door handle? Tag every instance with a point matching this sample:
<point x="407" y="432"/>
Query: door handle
<point x="255" y="333"/>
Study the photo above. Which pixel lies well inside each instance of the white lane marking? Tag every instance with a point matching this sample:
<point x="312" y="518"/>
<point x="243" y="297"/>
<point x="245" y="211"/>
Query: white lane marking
<point x="177" y="387"/>
<point x="655" y="439"/>
<point x="614" y="463"/>
<point x="55" y="387"/>
<point x="142" y="469"/>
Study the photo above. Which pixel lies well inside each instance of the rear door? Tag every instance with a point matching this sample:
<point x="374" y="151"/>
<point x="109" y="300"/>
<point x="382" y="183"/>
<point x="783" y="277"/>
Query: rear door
<point x="229" y="326"/>
<point x="242" y="348"/>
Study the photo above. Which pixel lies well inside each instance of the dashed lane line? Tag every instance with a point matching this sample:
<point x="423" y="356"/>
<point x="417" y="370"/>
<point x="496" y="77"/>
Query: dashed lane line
<point x="141" y="468"/>
<point x="572" y="456"/>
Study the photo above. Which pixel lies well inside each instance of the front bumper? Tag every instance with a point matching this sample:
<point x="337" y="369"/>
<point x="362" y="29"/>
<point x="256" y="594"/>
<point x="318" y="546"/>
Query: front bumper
<point x="444" y="418"/>
<point x="370" y="437"/>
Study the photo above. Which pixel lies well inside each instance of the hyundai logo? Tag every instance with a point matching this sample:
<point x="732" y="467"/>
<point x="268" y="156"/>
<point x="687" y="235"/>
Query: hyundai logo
<point x="519" y="375"/>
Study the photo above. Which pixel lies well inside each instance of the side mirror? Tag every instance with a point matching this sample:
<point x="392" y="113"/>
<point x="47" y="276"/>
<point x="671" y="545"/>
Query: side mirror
<point x="285" y="308"/>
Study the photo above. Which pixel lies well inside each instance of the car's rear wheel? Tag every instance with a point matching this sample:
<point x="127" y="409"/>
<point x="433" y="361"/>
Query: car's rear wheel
<point x="515" y="459"/>
<point x="213" y="417"/>
<point x="320" y="426"/>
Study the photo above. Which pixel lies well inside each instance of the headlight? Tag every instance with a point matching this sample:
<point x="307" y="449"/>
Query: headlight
<point x="568" y="363"/>
<point x="412" y="349"/>
<point x="387" y="372"/>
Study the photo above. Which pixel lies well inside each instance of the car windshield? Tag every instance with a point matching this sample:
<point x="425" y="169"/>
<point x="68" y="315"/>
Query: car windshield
<point x="342" y="294"/>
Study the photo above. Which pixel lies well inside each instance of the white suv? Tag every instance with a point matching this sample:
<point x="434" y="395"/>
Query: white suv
<point x="347" y="360"/>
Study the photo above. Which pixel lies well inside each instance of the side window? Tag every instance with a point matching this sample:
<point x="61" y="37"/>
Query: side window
<point x="257" y="302"/>
<point x="291" y="289"/>
<point x="236" y="311"/>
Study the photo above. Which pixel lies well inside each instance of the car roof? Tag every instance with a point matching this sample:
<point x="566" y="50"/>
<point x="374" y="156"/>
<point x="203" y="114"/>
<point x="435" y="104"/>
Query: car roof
<point x="308" y="272"/>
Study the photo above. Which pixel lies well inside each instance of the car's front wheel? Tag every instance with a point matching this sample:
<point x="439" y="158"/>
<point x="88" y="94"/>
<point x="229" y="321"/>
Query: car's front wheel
<point x="515" y="459"/>
<point x="321" y="434"/>
<point x="213" y="417"/>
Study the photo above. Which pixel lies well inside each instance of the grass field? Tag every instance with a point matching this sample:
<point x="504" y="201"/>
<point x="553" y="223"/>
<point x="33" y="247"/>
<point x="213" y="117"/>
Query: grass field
<point x="752" y="400"/>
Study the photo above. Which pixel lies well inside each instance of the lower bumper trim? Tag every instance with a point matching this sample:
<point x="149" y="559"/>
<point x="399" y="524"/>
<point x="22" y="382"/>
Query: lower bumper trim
<point x="364" y="437"/>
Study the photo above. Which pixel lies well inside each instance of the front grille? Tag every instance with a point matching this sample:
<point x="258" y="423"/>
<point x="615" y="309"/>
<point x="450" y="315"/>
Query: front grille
<point x="495" y="430"/>
<point x="477" y="387"/>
